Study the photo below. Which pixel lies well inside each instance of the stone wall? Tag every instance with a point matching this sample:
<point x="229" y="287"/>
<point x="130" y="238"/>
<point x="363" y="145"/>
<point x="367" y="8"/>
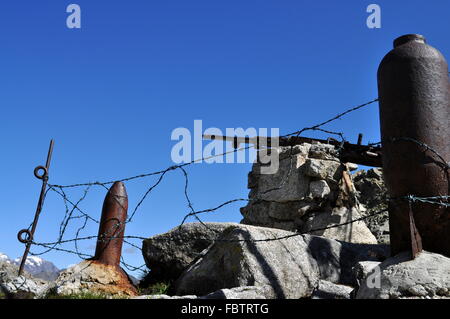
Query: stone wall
<point x="312" y="189"/>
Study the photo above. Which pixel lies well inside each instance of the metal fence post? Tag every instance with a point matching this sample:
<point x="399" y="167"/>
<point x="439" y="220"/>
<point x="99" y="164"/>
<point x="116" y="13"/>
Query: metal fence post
<point x="414" y="100"/>
<point x="28" y="240"/>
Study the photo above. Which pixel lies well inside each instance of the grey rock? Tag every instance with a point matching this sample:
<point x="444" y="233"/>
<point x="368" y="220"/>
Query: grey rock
<point x="372" y="193"/>
<point x="427" y="276"/>
<point x="285" y="264"/>
<point x="165" y="297"/>
<point x="356" y="232"/>
<point x="323" y="169"/>
<point x="319" y="189"/>
<point x="362" y="269"/>
<point x="329" y="290"/>
<point x="336" y="259"/>
<point x="168" y="254"/>
<point x="248" y="292"/>
<point x="291" y="266"/>
<point x="288" y="184"/>
<point x="11" y="283"/>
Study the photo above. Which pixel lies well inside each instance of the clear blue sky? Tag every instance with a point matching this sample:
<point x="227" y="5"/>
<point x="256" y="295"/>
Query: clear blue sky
<point x="112" y="92"/>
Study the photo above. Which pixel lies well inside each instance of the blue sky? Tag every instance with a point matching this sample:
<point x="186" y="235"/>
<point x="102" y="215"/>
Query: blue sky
<point x="111" y="93"/>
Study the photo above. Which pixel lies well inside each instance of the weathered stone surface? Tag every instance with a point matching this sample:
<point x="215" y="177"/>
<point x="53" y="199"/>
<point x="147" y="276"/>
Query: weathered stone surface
<point x="168" y="254"/>
<point x="362" y="269"/>
<point x="249" y="292"/>
<point x="336" y="259"/>
<point x="291" y="266"/>
<point x="329" y="290"/>
<point x="356" y="232"/>
<point x="93" y="277"/>
<point x="427" y="276"/>
<point x="285" y="264"/>
<point x="323" y="169"/>
<point x="287" y="184"/>
<point x="165" y="297"/>
<point x="319" y="189"/>
<point x="372" y="193"/>
<point x="25" y="285"/>
<point x="313" y="193"/>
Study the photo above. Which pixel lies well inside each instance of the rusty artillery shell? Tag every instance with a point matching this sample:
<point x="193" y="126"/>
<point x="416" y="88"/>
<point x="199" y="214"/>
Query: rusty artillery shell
<point x="414" y="98"/>
<point x="112" y="226"/>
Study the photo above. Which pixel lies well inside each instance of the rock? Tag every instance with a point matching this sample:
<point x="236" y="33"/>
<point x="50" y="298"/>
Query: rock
<point x="285" y="264"/>
<point x="329" y="290"/>
<point x="336" y="259"/>
<point x="288" y="184"/>
<point x="165" y="297"/>
<point x="94" y="278"/>
<point x="312" y="193"/>
<point x="362" y="269"/>
<point x="248" y="292"/>
<point x="19" y="287"/>
<point x="319" y="189"/>
<point x="372" y="193"/>
<point x="291" y="266"/>
<point x="356" y="232"/>
<point x="427" y="276"/>
<point x="168" y="254"/>
<point x="323" y="169"/>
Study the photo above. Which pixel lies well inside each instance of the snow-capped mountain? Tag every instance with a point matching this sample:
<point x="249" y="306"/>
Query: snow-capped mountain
<point x="35" y="266"/>
<point x="39" y="268"/>
<point x="4" y="258"/>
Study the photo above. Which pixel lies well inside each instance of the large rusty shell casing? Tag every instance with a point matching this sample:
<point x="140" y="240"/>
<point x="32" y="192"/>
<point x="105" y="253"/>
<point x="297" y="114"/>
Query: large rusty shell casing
<point x="112" y="225"/>
<point x="414" y="98"/>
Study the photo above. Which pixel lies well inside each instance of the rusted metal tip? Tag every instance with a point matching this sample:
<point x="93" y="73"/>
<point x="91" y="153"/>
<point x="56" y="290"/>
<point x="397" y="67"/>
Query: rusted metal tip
<point x="409" y="38"/>
<point x="112" y="225"/>
<point x="118" y="189"/>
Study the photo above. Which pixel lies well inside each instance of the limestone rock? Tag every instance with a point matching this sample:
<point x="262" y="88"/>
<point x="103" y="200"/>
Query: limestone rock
<point x="95" y="278"/>
<point x="285" y="265"/>
<point x="372" y="193"/>
<point x="248" y="256"/>
<point x="329" y="290"/>
<point x="427" y="276"/>
<point x="319" y="189"/>
<point x="356" y="232"/>
<point x="309" y="191"/>
<point x="168" y="254"/>
<point x="323" y="169"/>
<point x="248" y="292"/>
<point x="13" y="285"/>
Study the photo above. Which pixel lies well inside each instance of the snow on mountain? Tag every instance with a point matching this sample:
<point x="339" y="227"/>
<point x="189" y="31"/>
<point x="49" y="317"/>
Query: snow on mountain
<point x="39" y="267"/>
<point x="4" y="258"/>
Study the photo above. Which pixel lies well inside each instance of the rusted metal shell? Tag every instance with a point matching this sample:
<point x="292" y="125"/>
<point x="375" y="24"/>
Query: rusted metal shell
<point x="414" y="99"/>
<point x="112" y="226"/>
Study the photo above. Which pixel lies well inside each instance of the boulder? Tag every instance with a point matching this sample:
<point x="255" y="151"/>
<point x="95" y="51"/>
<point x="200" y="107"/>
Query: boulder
<point x="168" y="254"/>
<point x="93" y="278"/>
<point x="356" y="232"/>
<point x="237" y="261"/>
<point x="373" y="195"/>
<point x="426" y="276"/>
<point x="247" y="292"/>
<point x="329" y="290"/>
<point x="256" y="256"/>
<point x="14" y="286"/>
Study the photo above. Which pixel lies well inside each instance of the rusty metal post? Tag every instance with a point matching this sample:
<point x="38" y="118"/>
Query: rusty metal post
<point x="414" y="100"/>
<point x="112" y="226"/>
<point x="30" y="232"/>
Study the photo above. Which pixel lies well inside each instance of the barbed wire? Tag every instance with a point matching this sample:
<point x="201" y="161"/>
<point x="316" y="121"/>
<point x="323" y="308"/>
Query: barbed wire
<point x="85" y="217"/>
